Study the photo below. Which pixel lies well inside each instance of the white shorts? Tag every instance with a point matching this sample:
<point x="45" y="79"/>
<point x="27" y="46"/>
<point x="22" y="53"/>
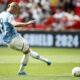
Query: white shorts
<point x="19" y="43"/>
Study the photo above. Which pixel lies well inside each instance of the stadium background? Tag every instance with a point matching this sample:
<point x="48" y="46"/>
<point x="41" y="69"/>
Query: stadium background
<point x="63" y="30"/>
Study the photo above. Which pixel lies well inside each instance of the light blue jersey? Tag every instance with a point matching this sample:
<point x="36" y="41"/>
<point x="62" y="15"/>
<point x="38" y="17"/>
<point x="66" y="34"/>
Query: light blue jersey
<point x="8" y="31"/>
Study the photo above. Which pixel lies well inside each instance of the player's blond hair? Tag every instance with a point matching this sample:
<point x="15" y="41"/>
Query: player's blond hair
<point x="13" y="5"/>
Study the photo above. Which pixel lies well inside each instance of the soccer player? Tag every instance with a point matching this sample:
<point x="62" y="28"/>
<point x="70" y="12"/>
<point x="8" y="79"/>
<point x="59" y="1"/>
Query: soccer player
<point x="14" y="39"/>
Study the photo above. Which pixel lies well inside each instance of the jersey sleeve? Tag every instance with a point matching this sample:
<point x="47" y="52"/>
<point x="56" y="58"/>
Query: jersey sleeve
<point x="11" y="18"/>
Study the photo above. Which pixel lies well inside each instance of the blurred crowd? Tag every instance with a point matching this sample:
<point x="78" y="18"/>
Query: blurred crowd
<point x="64" y="15"/>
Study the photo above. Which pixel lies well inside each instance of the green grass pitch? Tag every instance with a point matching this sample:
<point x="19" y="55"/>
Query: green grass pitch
<point x="63" y="60"/>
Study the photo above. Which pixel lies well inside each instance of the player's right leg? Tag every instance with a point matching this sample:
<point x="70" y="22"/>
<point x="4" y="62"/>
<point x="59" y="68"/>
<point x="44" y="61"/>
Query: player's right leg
<point x="39" y="57"/>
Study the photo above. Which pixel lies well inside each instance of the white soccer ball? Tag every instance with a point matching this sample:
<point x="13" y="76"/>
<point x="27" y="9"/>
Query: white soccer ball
<point x="76" y="71"/>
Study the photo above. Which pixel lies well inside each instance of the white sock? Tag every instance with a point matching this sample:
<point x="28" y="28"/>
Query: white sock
<point x="24" y="62"/>
<point x="37" y="56"/>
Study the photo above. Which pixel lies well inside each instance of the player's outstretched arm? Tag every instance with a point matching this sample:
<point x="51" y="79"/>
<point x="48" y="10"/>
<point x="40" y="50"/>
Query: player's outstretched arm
<point x="21" y="24"/>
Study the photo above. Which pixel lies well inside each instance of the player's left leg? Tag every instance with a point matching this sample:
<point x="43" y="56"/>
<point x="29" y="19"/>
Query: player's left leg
<point x="39" y="57"/>
<point x="18" y="43"/>
<point x="24" y="62"/>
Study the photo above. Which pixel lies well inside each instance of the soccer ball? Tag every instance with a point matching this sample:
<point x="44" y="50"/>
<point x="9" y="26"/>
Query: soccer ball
<point x="76" y="71"/>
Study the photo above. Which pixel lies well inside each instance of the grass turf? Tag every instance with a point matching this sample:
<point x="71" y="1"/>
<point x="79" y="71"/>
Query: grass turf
<point x="63" y="60"/>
